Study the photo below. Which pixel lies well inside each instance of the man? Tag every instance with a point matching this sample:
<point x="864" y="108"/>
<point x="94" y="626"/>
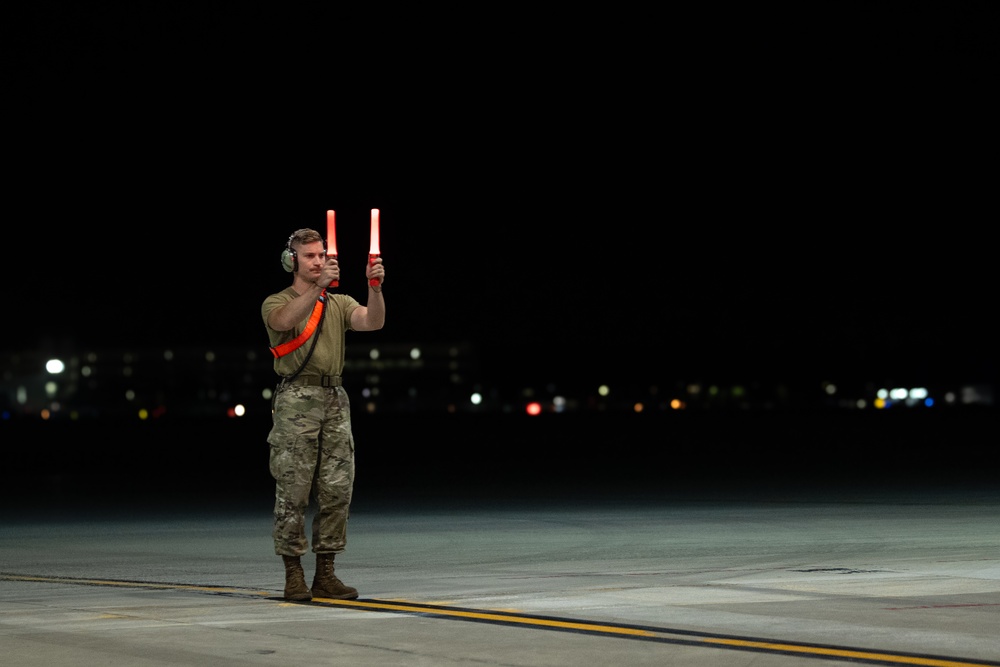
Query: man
<point x="312" y="443"/>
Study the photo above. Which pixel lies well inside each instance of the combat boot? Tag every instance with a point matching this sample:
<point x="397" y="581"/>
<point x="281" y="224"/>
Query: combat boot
<point x="295" y="579"/>
<point x="327" y="585"/>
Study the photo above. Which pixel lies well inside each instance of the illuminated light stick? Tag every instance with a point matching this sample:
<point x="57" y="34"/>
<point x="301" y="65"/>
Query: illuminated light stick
<point x="331" y="240"/>
<point x="373" y="251"/>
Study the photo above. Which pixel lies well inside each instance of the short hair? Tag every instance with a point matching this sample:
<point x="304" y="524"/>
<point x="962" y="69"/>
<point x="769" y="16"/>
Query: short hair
<point x="303" y="236"/>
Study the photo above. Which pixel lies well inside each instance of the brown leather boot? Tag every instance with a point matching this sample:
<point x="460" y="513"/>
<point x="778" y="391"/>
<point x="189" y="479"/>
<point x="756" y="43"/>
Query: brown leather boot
<point x="327" y="585"/>
<point x="295" y="579"/>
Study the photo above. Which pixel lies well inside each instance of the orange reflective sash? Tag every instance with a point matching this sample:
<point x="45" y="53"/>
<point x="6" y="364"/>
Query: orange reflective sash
<point x="285" y="348"/>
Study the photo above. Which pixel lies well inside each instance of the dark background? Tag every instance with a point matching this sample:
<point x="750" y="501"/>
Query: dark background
<point x="725" y="192"/>
<point x="729" y="190"/>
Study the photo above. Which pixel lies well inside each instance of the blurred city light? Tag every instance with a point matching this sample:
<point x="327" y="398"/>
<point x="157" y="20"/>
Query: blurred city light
<point x="403" y="377"/>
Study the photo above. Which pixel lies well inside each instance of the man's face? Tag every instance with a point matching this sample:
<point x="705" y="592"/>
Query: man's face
<point x="312" y="257"/>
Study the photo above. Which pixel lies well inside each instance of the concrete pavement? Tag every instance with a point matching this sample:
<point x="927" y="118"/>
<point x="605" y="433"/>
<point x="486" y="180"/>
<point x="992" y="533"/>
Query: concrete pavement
<point x="904" y="575"/>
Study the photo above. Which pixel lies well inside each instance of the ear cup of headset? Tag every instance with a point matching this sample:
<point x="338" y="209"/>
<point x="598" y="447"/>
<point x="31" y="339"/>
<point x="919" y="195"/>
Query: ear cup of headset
<point x="288" y="257"/>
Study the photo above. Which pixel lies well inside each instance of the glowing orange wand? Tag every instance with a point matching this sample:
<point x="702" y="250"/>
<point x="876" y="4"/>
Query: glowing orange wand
<point x="373" y="250"/>
<point x="331" y="240"/>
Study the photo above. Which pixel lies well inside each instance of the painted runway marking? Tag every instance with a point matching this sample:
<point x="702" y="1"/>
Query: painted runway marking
<point x="945" y="606"/>
<point x="619" y="630"/>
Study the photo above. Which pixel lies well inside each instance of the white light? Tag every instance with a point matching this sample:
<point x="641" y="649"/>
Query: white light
<point x="240" y="410"/>
<point x="55" y="366"/>
<point x="415" y="353"/>
<point x="373" y="354"/>
<point x="898" y="394"/>
<point x="476" y="398"/>
<point x="918" y="392"/>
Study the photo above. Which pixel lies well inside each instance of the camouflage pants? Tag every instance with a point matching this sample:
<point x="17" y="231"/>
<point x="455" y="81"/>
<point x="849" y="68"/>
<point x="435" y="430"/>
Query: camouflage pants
<point x="312" y="458"/>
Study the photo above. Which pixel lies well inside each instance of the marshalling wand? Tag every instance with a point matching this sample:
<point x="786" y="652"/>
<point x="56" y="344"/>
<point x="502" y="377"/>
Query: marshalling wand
<point x="373" y="250"/>
<point x="331" y="240"/>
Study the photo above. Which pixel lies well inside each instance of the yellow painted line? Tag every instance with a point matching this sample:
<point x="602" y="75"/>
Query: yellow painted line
<point x="692" y="639"/>
<point x="665" y="635"/>
<point x="845" y="653"/>
<point x="487" y="616"/>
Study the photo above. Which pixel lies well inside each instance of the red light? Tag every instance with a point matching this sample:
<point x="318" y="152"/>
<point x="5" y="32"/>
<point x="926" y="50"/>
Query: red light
<point x="533" y="408"/>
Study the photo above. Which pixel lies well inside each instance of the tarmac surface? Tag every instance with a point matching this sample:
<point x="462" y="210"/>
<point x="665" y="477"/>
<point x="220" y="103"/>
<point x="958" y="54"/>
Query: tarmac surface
<point x="887" y="574"/>
<point x="766" y="539"/>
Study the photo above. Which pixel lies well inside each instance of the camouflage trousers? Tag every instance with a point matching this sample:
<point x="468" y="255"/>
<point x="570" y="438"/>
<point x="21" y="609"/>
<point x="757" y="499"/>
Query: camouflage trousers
<point x="312" y="459"/>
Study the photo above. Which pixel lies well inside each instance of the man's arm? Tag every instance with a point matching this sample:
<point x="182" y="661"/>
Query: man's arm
<point x="372" y="316"/>
<point x="284" y="318"/>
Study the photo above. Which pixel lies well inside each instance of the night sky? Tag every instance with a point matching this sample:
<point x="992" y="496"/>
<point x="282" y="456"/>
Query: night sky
<point x="754" y="195"/>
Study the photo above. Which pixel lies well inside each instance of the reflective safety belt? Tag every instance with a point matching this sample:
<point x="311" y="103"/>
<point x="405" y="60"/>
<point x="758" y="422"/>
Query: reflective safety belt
<point x="314" y="320"/>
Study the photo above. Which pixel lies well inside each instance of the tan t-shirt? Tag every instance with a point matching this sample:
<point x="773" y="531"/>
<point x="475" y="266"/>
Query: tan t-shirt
<point x="328" y="356"/>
